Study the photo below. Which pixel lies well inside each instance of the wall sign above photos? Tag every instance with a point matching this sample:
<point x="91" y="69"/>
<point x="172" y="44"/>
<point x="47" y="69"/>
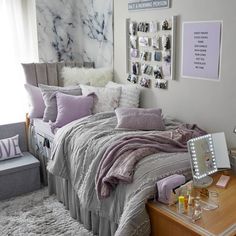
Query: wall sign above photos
<point x="150" y="51"/>
<point x="147" y="4"/>
<point x="201" y="50"/>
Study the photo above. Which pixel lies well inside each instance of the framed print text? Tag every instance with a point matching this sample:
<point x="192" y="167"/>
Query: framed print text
<point x="147" y="4"/>
<point x="201" y="47"/>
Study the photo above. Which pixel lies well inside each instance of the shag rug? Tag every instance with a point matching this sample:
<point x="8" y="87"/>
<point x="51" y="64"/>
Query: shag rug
<point x="37" y="213"/>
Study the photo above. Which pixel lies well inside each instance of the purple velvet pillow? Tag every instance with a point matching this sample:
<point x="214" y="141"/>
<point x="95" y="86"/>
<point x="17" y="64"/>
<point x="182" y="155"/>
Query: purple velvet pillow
<point x="139" y="119"/>
<point x="70" y="108"/>
<point x="36" y="102"/>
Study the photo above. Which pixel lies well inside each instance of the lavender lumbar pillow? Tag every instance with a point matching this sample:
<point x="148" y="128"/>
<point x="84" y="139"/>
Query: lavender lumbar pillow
<point x="70" y="108"/>
<point x="36" y="102"/>
<point x="139" y="119"/>
<point x="9" y="148"/>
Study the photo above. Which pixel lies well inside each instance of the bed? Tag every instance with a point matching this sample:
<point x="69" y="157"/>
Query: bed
<point x="78" y="153"/>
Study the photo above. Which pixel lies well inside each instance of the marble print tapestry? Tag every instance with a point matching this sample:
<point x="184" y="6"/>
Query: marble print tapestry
<point x="78" y="30"/>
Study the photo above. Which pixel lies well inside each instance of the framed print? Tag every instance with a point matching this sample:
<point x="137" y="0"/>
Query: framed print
<point x="147" y="4"/>
<point x="201" y="48"/>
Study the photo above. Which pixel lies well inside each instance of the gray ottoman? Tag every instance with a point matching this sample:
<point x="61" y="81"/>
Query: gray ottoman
<point x="19" y="175"/>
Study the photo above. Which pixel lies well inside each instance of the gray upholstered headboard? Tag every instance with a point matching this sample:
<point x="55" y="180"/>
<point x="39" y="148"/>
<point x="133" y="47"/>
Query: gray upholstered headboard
<point x="48" y="73"/>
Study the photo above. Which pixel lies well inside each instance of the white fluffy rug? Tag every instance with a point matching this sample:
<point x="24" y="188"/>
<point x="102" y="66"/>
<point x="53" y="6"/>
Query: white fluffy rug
<point x="37" y="214"/>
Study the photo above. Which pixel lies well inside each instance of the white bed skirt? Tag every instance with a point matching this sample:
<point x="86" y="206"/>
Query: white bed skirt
<point x="91" y="220"/>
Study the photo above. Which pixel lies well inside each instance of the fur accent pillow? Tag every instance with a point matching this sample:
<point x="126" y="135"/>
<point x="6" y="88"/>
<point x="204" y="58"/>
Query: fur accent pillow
<point x="139" y="119"/>
<point x="9" y="148"/>
<point x="129" y="94"/>
<point x="106" y="99"/>
<point x="97" y="77"/>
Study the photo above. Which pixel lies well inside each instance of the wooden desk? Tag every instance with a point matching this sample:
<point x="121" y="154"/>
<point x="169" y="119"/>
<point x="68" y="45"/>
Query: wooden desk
<point x="166" y="221"/>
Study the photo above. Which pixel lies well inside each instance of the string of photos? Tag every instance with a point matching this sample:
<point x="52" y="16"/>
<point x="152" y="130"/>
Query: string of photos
<point x="150" y="52"/>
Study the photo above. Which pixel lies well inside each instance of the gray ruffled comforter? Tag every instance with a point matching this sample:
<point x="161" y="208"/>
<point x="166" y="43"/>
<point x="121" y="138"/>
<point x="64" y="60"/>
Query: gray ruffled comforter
<point x="78" y="150"/>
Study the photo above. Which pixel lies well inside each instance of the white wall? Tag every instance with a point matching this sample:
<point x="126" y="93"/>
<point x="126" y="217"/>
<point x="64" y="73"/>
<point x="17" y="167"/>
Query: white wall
<point x="212" y="105"/>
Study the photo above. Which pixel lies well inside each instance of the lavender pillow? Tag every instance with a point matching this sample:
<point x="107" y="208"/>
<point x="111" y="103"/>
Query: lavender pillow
<point x="71" y="108"/>
<point x="36" y="102"/>
<point x="139" y="119"/>
<point x="9" y="148"/>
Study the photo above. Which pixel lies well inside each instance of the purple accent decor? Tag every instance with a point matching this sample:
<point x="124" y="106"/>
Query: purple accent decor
<point x="71" y="108"/>
<point x="36" y="102"/>
<point x="140" y="119"/>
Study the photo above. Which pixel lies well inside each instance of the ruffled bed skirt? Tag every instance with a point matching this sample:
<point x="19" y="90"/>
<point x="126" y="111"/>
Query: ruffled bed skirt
<point x="91" y="220"/>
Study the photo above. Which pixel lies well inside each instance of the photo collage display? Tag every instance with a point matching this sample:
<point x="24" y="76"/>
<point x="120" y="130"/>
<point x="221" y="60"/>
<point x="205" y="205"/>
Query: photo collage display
<point x="149" y="45"/>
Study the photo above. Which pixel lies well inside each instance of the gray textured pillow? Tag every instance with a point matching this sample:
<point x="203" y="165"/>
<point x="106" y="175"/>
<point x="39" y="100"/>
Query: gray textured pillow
<point x="49" y="97"/>
<point x="139" y="119"/>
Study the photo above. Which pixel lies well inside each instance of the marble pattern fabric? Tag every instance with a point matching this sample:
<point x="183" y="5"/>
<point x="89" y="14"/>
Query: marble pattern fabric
<point x="75" y="30"/>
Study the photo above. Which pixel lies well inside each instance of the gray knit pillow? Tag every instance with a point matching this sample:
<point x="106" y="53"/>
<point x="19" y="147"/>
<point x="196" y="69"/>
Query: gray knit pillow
<point x="49" y="97"/>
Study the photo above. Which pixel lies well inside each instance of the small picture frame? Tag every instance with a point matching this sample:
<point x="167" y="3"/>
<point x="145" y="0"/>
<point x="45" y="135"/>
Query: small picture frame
<point x="156" y="42"/>
<point x="165" y="40"/>
<point x="152" y="27"/>
<point x="166" y="69"/>
<point x="145" y="56"/>
<point x="143" y="27"/>
<point x="166" y="24"/>
<point x="143" y="41"/>
<point x="157" y="72"/>
<point x="133" y="40"/>
<point x="132" y="78"/>
<point x="161" y="83"/>
<point x="157" y="55"/>
<point x="145" y="82"/>
<point x="133" y="53"/>
<point x="133" y="28"/>
<point x="135" y="68"/>
<point x="167" y="56"/>
<point x="146" y="69"/>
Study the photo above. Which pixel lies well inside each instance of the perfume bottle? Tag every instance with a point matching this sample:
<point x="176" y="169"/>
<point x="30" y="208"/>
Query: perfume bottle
<point x="197" y="211"/>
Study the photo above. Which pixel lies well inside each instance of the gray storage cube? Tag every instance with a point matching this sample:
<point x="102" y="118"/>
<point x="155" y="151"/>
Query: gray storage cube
<point x="19" y="175"/>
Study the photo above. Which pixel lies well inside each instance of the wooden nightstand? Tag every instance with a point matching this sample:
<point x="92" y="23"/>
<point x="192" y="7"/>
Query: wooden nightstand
<point x="166" y="221"/>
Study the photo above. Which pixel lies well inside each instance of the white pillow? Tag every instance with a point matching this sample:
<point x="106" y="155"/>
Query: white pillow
<point x="129" y="94"/>
<point x="98" y="77"/>
<point x="106" y="99"/>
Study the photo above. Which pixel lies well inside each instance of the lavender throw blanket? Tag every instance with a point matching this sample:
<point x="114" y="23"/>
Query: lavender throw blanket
<point x="118" y="162"/>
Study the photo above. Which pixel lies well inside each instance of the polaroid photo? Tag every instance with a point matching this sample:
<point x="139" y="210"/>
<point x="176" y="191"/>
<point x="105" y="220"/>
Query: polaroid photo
<point x="133" y="79"/>
<point x="166" y="24"/>
<point x="133" y="28"/>
<point x="157" y="55"/>
<point x="165" y="40"/>
<point x="133" y="53"/>
<point x="161" y="83"/>
<point x="167" y="56"/>
<point x="152" y="27"/>
<point x="133" y="40"/>
<point x="166" y="69"/>
<point x="143" y="27"/>
<point x="135" y="68"/>
<point x="146" y="69"/>
<point x="145" y="56"/>
<point x="145" y="82"/>
<point x="143" y="41"/>
<point x="156" y="42"/>
<point x="157" y="71"/>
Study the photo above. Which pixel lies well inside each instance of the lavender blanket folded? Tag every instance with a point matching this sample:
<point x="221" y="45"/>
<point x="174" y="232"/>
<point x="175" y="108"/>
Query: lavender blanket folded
<point x="118" y="162"/>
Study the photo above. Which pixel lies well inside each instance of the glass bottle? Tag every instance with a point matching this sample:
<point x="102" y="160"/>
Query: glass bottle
<point x="197" y="211"/>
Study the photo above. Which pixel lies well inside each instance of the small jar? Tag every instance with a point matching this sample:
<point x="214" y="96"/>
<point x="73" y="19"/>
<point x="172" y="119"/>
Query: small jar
<point x="181" y="204"/>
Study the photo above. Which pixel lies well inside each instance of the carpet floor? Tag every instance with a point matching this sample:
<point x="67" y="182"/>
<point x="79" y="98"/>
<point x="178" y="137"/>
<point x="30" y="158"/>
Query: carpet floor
<point x="37" y="213"/>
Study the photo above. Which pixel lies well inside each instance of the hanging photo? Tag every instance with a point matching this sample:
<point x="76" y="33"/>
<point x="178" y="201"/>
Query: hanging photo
<point x="157" y="56"/>
<point x="133" y="53"/>
<point x="133" y="41"/>
<point x="143" y="41"/>
<point x="166" y="24"/>
<point x="133" y="79"/>
<point x="166" y="69"/>
<point x="132" y="28"/>
<point x="161" y="83"/>
<point x="135" y="68"/>
<point x="167" y="56"/>
<point x="145" y="82"/>
<point x="143" y="27"/>
<point x="152" y="27"/>
<point x="156" y="42"/>
<point x="145" y="56"/>
<point x="157" y="72"/>
<point x="146" y="69"/>
<point x="165" y="40"/>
